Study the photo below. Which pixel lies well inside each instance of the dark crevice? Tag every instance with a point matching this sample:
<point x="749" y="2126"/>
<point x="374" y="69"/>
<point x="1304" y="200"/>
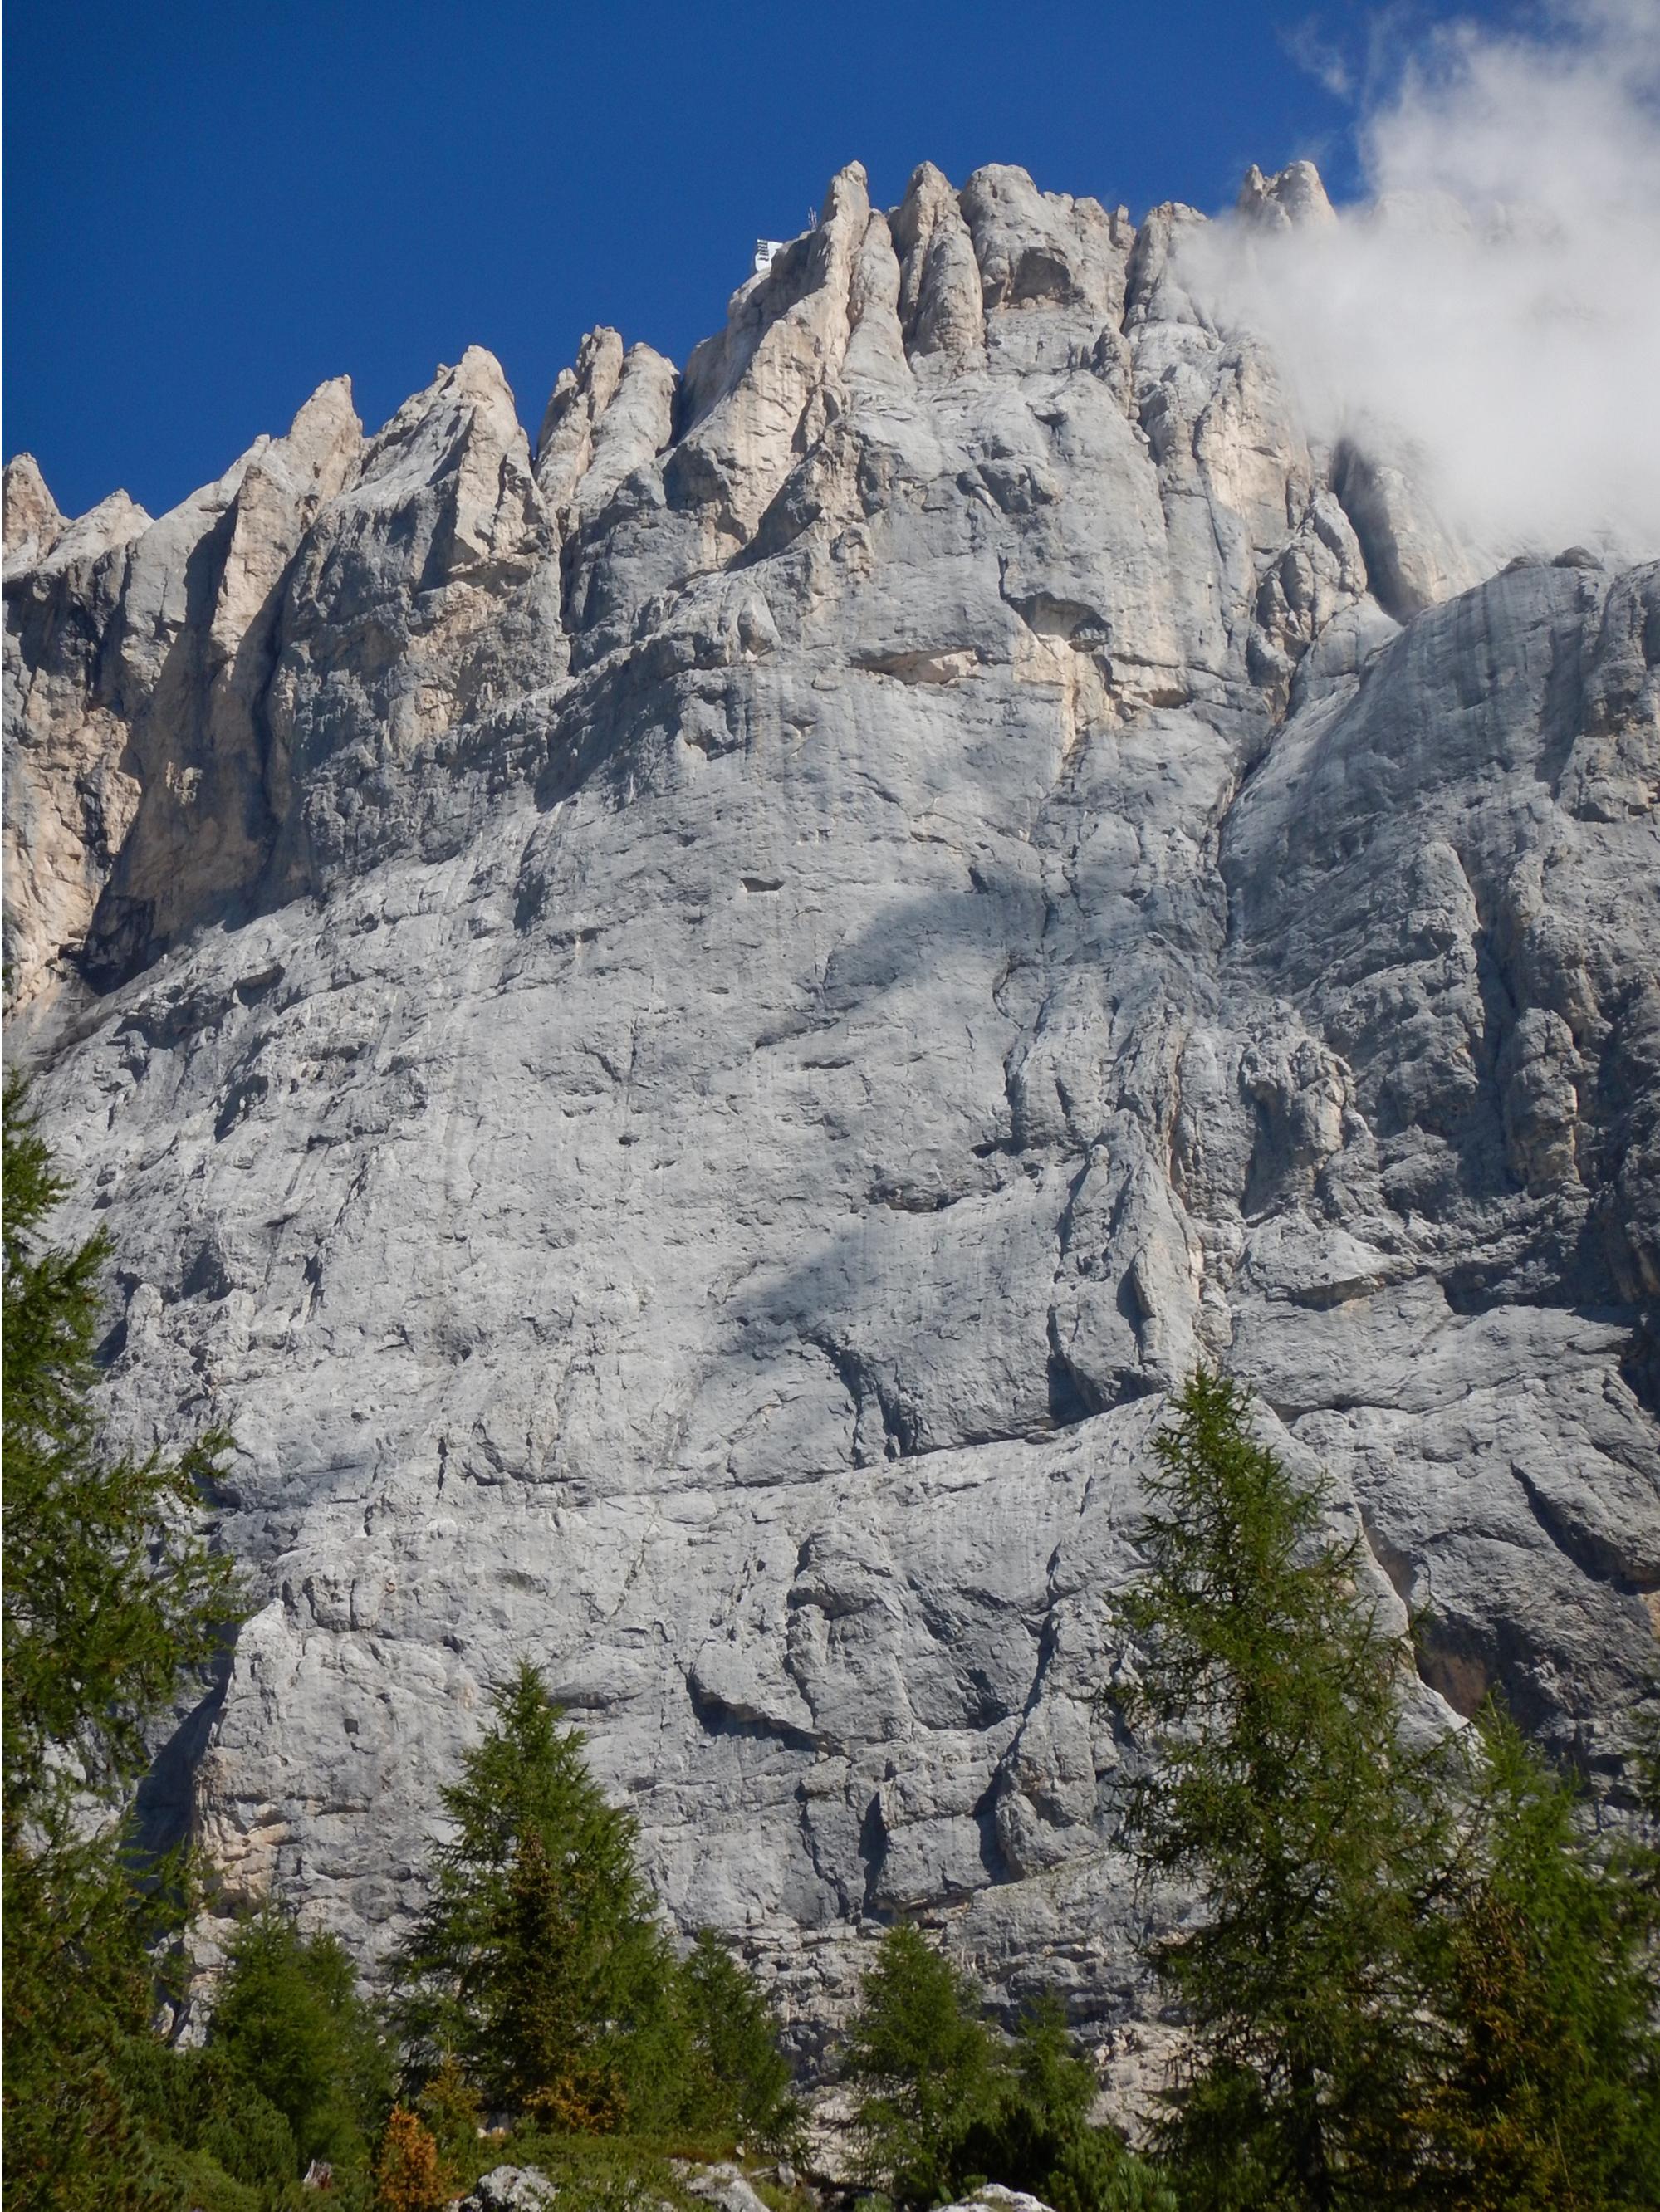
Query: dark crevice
<point x="872" y="1851"/>
<point x="991" y="1856"/>
<point x="1070" y="1398"/>
<point x="1639" y="1363"/>
<point x="716" y="1717"/>
<point x="164" y="1803"/>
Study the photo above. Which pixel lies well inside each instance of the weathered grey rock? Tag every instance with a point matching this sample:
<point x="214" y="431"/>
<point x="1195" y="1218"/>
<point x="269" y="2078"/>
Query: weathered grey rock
<point x="725" y="2186"/>
<point x="71" y="795"/>
<point x="994" y="2197"/>
<point x="940" y="299"/>
<point x="509" y="2189"/>
<point x="610" y="415"/>
<point x="725" y="1012"/>
<point x="1412" y="562"/>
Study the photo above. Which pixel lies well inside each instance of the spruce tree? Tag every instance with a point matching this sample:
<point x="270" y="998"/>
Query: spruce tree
<point x="1280" y="1785"/>
<point x="539" y="1963"/>
<point x="113" y="1595"/>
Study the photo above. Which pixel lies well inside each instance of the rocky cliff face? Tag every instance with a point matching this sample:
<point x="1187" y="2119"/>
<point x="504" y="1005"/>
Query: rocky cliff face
<point x="685" y="1030"/>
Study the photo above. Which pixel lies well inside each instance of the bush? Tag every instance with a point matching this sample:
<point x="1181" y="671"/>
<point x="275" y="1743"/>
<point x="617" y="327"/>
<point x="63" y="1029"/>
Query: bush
<point x="208" y="2136"/>
<point x="194" y="2178"/>
<point x="410" y="2173"/>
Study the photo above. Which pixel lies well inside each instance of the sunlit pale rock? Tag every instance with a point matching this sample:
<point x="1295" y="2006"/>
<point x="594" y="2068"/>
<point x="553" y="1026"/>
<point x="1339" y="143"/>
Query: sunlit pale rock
<point x="684" y="1039"/>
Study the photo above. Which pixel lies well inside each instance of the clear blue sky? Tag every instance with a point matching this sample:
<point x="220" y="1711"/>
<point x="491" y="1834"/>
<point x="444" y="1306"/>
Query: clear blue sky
<point x="211" y="205"/>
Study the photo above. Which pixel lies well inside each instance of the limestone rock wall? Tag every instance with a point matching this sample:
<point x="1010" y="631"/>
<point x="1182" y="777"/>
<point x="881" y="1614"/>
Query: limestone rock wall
<point x="684" y="1032"/>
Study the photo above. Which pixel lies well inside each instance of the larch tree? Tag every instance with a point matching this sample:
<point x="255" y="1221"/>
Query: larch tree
<point x="1282" y="1786"/>
<point x="113" y="1594"/>
<point x="539" y="1963"/>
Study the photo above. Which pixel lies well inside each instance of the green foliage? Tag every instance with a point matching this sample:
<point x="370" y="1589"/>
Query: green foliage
<point x="111" y="1594"/>
<point x="208" y="2121"/>
<point x="194" y="2178"/>
<point x="1037" y="2116"/>
<point x="1056" y="2085"/>
<point x="453" y="2112"/>
<point x="1419" y="1980"/>
<point x="1284" y="1788"/>
<point x="77" y="1989"/>
<point x="927" y="2070"/>
<point x="1543" y="2088"/>
<point x="289" y="2026"/>
<point x="1040" y="2139"/>
<point x="539" y="1981"/>
<point x="539" y="1964"/>
<point x="125" y="2119"/>
<point x="742" y="2086"/>
<point x="943" y="2105"/>
<point x="292" y="2069"/>
<point x="111" y="1597"/>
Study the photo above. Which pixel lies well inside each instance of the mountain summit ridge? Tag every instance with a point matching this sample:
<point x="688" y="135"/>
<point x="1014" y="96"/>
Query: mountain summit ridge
<point x="689" y="1027"/>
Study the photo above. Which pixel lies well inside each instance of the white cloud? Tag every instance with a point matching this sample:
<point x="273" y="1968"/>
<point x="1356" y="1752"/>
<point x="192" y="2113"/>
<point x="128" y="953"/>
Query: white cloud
<point x="1315" y="54"/>
<point x="1492" y="309"/>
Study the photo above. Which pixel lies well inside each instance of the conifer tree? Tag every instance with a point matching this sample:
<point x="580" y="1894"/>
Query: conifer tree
<point x="926" y="2069"/>
<point x="1281" y="1785"/>
<point x="1417" y="1978"/>
<point x="112" y="1592"/>
<point x="1542" y="2081"/>
<point x="539" y="1963"/>
<point x="212" y="2138"/>
<point x="743" y="2079"/>
<point x="452" y="2111"/>
<point x="1040" y="2139"/>
<point x="410" y="2172"/>
<point x="111" y="1596"/>
<point x="289" y="2023"/>
<point x="942" y="2104"/>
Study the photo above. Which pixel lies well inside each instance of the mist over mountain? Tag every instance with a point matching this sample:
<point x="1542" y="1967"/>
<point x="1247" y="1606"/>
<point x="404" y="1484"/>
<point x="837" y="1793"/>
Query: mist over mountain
<point x="1489" y="314"/>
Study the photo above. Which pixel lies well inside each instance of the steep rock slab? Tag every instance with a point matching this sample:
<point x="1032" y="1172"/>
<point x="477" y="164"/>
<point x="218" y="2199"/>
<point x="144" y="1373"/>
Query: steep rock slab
<point x="817" y="948"/>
